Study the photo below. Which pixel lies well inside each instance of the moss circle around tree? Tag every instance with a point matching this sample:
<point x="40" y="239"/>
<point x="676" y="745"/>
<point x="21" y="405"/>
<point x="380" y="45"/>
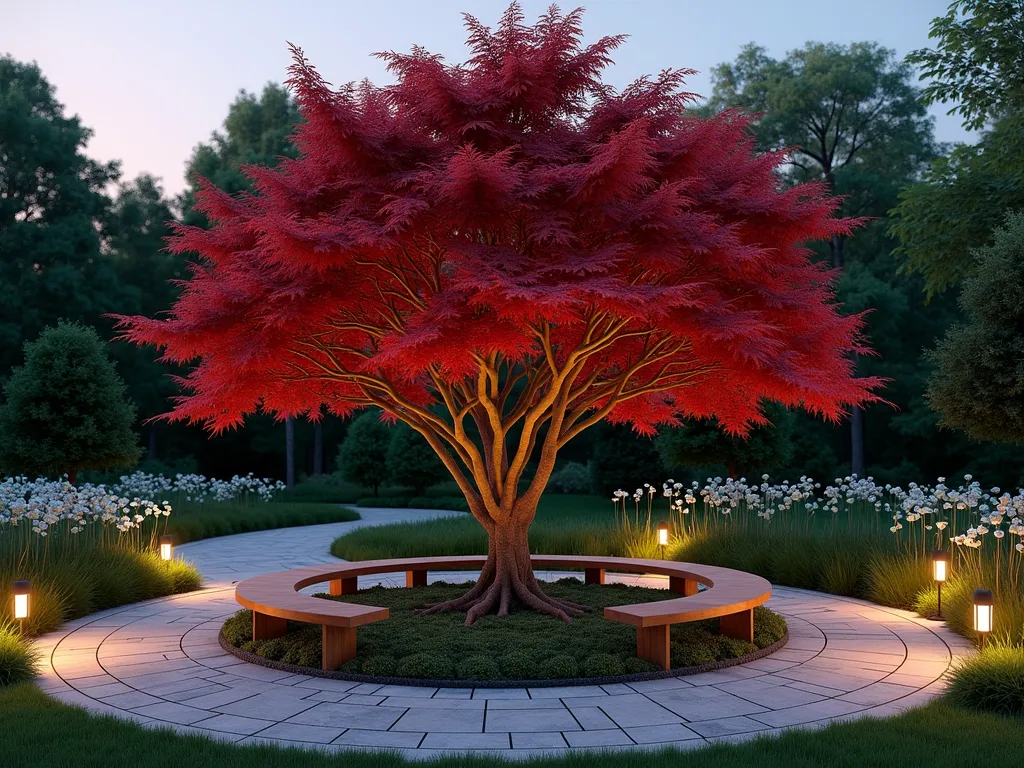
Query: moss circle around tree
<point x="522" y="646"/>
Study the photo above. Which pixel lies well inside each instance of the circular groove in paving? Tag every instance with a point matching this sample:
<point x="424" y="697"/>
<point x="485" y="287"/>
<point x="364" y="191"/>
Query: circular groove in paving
<point x="159" y="663"/>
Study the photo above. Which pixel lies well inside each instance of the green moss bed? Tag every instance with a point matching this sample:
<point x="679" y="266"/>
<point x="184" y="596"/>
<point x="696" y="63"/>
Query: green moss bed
<point x="522" y="646"/>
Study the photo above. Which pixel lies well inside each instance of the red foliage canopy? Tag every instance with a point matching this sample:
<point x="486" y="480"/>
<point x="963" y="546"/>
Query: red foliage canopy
<point x="508" y="219"/>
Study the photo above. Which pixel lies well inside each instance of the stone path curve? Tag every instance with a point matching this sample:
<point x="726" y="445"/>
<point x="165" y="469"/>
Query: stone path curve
<point x="158" y="663"/>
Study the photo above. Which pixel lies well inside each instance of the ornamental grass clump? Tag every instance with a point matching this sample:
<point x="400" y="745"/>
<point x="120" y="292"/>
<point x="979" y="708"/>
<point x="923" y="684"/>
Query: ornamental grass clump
<point x="18" y="659"/>
<point x="867" y="540"/>
<point x="992" y="681"/>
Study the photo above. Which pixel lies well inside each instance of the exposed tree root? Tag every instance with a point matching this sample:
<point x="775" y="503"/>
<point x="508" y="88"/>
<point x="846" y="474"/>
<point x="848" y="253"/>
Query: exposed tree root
<point x="499" y="593"/>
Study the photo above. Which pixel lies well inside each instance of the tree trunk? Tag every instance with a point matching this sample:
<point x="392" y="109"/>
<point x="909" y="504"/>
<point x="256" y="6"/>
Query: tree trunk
<point x="507" y="580"/>
<point x="318" y="449"/>
<point x="732" y="469"/>
<point x="151" y="448"/>
<point x="73" y="476"/>
<point x="289" y="451"/>
<point x="836" y="248"/>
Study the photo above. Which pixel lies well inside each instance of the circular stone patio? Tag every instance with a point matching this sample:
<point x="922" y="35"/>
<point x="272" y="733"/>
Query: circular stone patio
<point x="159" y="663"/>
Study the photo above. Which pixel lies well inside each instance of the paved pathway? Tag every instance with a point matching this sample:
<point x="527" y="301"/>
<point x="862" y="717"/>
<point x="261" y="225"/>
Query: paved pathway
<point x="159" y="663"/>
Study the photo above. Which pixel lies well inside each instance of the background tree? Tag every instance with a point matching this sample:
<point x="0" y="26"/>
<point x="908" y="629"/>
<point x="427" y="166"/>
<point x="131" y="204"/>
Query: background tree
<point x="978" y="385"/>
<point x="441" y="239"/>
<point x="256" y="131"/>
<point x="66" y="408"/>
<point x="137" y="228"/>
<point x="979" y="65"/>
<point x="852" y="119"/>
<point x="412" y="462"/>
<point x="623" y="460"/>
<point x="362" y="457"/>
<point x="703" y="441"/>
<point x="52" y="209"/>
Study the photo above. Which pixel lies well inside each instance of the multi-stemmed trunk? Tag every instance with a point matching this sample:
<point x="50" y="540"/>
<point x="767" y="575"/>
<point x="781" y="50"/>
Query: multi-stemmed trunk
<point x="507" y="578"/>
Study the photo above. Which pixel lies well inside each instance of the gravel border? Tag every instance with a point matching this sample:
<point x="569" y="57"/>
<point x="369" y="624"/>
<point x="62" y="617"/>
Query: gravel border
<point x="252" y="658"/>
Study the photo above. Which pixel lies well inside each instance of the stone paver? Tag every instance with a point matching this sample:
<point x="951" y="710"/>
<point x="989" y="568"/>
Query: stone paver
<point x="159" y="664"/>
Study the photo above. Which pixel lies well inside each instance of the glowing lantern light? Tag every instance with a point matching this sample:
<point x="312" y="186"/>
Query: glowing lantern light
<point x="21" y="593"/>
<point x="663" y="538"/>
<point x="940" y="571"/>
<point x="982" y="614"/>
<point x="166" y="547"/>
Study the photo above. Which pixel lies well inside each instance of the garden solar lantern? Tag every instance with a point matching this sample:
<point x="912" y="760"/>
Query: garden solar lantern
<point x="982" y="614"/>
<point x="940" y="571"/>
<point x="166" y="547"/>
<point x="663" y="538"/>
<point x="21" y="607"/>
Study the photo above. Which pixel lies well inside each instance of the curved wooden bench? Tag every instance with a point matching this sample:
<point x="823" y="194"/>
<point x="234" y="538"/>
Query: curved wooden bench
<point x="731" y="597"/>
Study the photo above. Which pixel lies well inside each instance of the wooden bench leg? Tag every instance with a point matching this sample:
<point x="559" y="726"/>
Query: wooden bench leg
<point x="415" y="578"/>
<point x="339" y="645"/>
<point x="267" y="627"/>
<point x="652" y="644"/>
<point x="346" y="586"/>
<point x="739" y="625"/>
<point x="682" y="586"/>
<point x="593" y="575"/>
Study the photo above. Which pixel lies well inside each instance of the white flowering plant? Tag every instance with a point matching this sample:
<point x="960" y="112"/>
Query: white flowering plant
<point x="40" y="516"/>
<point x="984" y="528"/>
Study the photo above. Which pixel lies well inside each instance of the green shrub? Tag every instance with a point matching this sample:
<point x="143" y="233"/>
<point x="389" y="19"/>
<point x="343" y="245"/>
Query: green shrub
<point x="517" y="665"/>
<point x="558" y="667"/>
<point x="18" y="659"/>
<point x="635" y="665"/>
<point x="362" y="456"/>
<point x="477" y="668"/>
<point x="411" y="461"/>
<point x="733" y="648"/>
<point x="306" y="654"/>
<point x="992" y="681"/>
<point x="571" y="478"/>
<point x="769" y="627"/>
<point x="273" y="649"/>
<point x="238" y="629"/>
<point x="66" y="409"/>
<point x="603" y="665"/>
<point x="425" y="665"/>
<point x="691" y="654"/>
<point x="382" y="665"/>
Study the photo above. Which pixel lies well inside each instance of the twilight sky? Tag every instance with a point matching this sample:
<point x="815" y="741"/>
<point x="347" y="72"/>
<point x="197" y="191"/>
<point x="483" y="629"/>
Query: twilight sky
<point x="154" y="79"/>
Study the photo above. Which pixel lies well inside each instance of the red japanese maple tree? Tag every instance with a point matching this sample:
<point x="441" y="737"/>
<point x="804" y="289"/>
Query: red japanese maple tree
<point x="501" y="254"/>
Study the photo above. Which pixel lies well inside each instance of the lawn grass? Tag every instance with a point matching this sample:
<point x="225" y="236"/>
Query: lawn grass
<point x="39" y="732"/>
<point x="564" y="524"/>
<point x="524" y="645"/>
<point x="192" y="521"/>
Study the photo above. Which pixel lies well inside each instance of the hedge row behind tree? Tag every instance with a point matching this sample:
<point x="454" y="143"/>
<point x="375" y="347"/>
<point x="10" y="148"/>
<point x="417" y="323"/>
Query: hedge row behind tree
<point x="703" y="441"/>
<point x="66" y="408"/>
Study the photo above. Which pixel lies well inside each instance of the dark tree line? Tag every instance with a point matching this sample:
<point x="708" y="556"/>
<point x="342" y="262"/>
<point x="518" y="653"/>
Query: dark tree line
<point x="77" y="242"/>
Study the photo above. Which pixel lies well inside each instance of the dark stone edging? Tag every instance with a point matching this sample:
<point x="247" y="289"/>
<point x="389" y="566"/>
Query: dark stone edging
<point x="252" y="658"/>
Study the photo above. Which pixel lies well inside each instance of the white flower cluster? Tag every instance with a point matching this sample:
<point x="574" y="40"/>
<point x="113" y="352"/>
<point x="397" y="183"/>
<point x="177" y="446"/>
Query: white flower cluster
<point x="42" y="505"/>
<point x="199" y="488"/>
<point x="934" y="507"/>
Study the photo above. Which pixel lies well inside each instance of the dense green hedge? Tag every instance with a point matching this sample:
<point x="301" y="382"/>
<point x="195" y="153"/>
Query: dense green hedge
<point x="193" y="521"/>
<point x="457" y="503"/>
